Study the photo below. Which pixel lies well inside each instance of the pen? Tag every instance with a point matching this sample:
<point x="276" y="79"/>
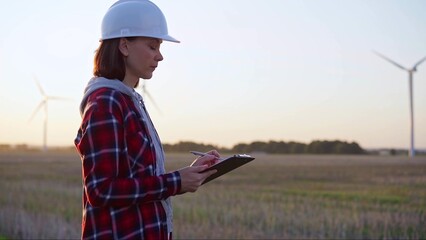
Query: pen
<point x="198" y="153"/>
<point x="202" y="154"/>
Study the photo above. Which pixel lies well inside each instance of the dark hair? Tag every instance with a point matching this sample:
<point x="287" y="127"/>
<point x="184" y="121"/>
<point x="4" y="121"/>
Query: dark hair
<point x="109" y="61"/>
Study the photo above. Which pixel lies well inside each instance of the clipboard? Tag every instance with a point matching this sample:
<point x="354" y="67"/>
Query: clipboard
<point x="226" y="165"/>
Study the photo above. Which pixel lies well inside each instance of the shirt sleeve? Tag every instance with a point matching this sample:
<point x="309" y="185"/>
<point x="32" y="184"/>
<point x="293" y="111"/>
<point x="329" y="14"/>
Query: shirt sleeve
<point x="102" y="149"/>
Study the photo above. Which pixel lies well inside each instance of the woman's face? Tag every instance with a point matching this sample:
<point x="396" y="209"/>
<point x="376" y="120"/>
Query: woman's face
<point x="142" y="57"/>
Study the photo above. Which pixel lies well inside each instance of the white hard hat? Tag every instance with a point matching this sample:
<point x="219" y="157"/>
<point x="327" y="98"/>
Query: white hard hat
<point x="135" y="18"/>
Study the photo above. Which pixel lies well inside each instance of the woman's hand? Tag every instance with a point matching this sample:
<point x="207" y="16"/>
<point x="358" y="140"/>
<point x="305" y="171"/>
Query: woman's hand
<point x="192" y="178"/>
<point x="209" y="159"/>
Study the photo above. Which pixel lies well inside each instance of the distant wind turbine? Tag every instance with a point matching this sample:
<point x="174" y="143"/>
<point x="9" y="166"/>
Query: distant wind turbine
<point x="411" y="71"/>
<point x="43" y="104"/>
<point x="145" y="93"/>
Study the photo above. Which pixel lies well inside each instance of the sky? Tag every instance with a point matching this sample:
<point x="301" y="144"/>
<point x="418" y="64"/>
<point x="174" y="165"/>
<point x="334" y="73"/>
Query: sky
<point x="282" y="70"/>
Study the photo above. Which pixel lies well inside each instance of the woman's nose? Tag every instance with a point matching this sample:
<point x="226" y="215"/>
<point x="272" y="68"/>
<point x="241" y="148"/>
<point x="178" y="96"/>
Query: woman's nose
<point x="160" y="57"/>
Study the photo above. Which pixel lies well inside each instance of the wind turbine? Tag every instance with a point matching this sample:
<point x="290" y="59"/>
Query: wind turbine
<point x="145" y="93"/>
<point x="410" y="71"/>
<point x="43" y="104"/>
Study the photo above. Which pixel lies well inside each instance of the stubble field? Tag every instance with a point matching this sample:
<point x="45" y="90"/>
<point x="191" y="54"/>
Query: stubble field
<point x="275" y="196"/>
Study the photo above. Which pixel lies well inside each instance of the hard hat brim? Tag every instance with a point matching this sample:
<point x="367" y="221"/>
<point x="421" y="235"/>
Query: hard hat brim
<point x="167" y="38"/>
<point x="170" y="39"/>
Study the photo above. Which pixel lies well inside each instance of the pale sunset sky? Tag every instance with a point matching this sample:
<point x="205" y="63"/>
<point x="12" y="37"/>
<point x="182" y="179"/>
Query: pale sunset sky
<point x="284" y="70"/>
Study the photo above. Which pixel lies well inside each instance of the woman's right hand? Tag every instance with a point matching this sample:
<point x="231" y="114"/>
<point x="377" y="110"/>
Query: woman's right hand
<point x="209" y="159"/>
<point x="192" y="178"/>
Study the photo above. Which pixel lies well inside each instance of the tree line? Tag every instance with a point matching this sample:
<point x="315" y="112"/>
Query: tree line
<point x="274" y="147"/>
<point x="271" y="147"/>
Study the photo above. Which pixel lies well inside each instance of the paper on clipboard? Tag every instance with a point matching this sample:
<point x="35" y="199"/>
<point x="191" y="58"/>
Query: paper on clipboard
<point x="228" y="164"/>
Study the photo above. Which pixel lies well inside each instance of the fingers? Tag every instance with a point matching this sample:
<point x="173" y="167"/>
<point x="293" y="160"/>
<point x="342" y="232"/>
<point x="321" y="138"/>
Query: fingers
<point x="214" y="153"/>
<point x="203" y="175"/>
<point x="193" y="177"/>
<point x="208" y="173"/>
<point x="205" y="160"/>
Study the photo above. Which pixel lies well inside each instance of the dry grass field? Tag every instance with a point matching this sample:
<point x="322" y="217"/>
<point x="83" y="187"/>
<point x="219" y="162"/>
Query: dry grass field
<point x="275" y="196"/>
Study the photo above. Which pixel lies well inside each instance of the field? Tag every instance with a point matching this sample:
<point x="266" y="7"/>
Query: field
<point x="275" y="196"/>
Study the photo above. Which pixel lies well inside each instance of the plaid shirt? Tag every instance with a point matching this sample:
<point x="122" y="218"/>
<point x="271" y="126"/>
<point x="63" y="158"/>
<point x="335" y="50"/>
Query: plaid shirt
<point x="122" y="194"/>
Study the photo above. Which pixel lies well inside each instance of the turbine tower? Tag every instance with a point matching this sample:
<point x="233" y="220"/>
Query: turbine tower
<point x="410" y="71"/>
<point x="43" y="104"/>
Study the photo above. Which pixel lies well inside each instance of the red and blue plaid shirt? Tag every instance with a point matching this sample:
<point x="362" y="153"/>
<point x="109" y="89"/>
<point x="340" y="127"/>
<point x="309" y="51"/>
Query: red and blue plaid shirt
<point x="122" y="193"/>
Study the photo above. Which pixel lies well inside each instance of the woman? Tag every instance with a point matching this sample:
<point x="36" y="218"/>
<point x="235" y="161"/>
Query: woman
<point x="126" y="189"/>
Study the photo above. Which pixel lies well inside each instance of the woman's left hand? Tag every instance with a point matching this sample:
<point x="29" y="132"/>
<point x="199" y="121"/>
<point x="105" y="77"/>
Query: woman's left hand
<point x="209" y="159"/>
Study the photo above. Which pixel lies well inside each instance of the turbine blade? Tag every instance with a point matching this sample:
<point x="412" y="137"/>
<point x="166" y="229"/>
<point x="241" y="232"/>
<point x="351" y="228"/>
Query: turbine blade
<point x="391" y="61"/>
<point x="58" y="98"/>
<point x="419" y="62"/>
<point x="40" y="105"/>
<point x="146" y="94"/>
<point x="39" y="86"/>
<point x="152" y="100"/>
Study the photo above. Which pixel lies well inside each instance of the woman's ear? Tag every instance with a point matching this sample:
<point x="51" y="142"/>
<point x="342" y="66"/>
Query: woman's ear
<point x="124" y="47"/>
